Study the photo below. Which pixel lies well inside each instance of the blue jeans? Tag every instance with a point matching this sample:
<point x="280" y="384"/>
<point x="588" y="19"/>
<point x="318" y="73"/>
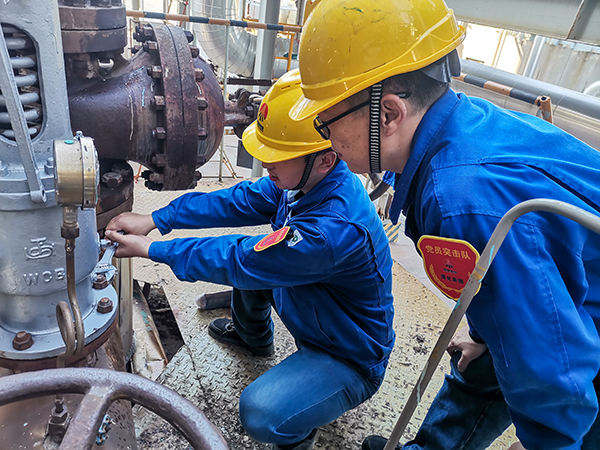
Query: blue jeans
<point x="469" y="412"/>
<point x="308" y="389"/>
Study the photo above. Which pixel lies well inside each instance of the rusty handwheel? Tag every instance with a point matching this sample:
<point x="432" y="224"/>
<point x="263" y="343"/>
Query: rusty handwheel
<point x="101" y="387"/>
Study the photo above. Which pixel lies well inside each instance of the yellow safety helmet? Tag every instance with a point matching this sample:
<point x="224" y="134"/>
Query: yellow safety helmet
<point x="274" y="137"/>
<point x="349" y="45"/>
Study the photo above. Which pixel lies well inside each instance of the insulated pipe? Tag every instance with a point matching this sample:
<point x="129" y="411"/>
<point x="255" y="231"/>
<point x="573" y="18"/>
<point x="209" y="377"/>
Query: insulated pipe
<point x="542" y="102"/>
<point x="561" y="97"/>
<point x="242" y="44"/>
<point x="583" y="127"/>
<point x="215" y="21"/>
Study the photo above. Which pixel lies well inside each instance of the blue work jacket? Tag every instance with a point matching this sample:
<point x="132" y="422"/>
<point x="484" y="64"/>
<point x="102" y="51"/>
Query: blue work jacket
<point x="332" y="277"/>
<point x="538" y="309"/>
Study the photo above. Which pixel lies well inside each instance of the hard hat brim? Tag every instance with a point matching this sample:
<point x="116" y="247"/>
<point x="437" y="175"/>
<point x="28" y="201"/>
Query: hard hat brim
<point x="269" y="154"/>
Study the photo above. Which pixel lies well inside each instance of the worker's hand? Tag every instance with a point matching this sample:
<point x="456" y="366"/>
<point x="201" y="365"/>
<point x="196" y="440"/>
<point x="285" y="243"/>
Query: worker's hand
<point x="462" y="342"/>
<point x="517" y="446"/>
<point x="129" y="244"/>
<point x="132" y="223"/>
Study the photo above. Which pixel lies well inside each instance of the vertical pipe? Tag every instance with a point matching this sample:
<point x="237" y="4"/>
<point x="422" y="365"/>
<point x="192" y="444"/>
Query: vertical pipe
<point x="534" y="56"/>
<point x="225" y="75"/>
<point x="242" y="9"/>
<point x="265" y="54"/>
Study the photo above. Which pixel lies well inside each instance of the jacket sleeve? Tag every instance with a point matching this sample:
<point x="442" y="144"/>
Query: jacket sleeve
<point x="544" y="344"/>
<point x="245" y="204"/>
<point x="232" y="260"/>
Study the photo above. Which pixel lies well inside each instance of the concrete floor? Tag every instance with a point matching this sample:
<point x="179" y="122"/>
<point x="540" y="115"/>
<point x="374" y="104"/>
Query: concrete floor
<point x="213" y="375"/>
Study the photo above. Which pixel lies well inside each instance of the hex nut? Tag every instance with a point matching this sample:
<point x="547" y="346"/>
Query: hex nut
<point x="195" y="51"/>
<point x="202" y="133"/>
<point x="202" y="104"/>
<point x="159" y="133"/>
<point x="159" y="101"/>
<point x="105" y="305"/>
<point x="150" y="47"/>
<point x="154" y="71"/>
<point x="69" y="232"/>
<point x="22" y="340"/>
<point x="112" y="179"/>
<point x="101" y="282"/>
<point x="189" y="36"/>
<point x="199" y="74"/>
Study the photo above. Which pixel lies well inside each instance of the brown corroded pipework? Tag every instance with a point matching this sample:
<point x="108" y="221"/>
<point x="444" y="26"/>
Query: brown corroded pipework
<point x="155" y="108"/>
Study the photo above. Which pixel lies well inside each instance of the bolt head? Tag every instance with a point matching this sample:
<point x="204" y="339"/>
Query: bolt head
<point x="189" y="35"/>
<point x="112" y="179"/>
<point x="195" y="51"/>
<point x="22" y="340"/>
<point x="202" y="133"/>
<point x="105" y="305"/>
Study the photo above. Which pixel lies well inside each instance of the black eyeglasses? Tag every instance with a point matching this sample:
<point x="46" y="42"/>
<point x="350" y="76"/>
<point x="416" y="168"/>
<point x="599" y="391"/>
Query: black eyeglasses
<point x="323" y="127"/>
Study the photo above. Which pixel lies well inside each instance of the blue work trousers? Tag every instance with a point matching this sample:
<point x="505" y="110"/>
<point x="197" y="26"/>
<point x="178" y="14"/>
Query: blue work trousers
<point x="469" y="412"/>
<point x="308" y="389"/>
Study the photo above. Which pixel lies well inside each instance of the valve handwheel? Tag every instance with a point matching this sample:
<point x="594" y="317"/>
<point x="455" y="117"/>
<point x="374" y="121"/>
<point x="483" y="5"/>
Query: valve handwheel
<point x="102" y="387"/>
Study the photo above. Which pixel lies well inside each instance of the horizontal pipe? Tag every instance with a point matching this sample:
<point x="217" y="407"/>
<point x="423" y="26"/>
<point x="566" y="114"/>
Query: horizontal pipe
<point x="581" y="126"/>
<point x="566" y="98"/>
<point x="499" y="88"/>
<point x="208" y="20"/>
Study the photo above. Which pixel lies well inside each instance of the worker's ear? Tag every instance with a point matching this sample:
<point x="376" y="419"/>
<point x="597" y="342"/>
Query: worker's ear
<point x="394" y="111"/>
<point x="326" y="162"/>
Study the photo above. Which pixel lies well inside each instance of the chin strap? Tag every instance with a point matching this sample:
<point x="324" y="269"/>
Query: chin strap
<point x="307" y="171"/>
<point x="374" y="128"/>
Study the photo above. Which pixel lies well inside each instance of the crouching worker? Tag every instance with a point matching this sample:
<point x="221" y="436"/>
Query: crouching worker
<point x="326" y="269"/>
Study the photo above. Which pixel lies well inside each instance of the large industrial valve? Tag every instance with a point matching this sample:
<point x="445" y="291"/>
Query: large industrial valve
<point x="101" y="388"/>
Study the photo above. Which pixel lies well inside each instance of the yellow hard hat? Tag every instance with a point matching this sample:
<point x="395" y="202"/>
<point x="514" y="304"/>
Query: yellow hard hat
<point x="274" y="137"/>
<point x="349" y="45"/>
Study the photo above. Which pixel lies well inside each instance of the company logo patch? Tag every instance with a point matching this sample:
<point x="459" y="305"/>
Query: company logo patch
<point x="263" y="112"/>
<point x="448" y="263"/>
<point x="271" y="239"/>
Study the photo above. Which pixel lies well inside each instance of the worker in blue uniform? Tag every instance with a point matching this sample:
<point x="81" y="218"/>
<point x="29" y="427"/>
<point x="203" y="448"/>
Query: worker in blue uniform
<point x="326" y="269"/>
<point x="377" y="75"/>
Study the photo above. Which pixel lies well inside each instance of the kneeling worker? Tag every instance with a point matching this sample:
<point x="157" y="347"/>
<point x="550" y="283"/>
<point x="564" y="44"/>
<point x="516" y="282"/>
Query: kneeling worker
<point x="326" y="269"/>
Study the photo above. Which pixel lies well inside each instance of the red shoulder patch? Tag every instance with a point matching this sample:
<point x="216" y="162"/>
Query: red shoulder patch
<point x="448" y="263"/>
<point x="271" y="239"/>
